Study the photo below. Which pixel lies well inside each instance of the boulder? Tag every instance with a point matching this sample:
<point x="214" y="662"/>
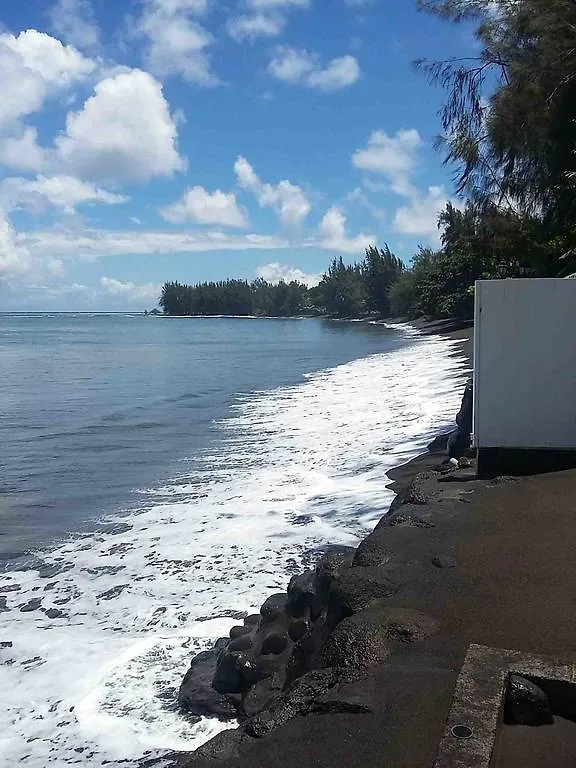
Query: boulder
<point x="253" y="620"/>
<point x="298" y="628"/>
<point x="242" y="643"/>
<point x="353" y="589"/>
<point x="229" y="673"/>
<point x="374" y="549"/>
<point x="368" y="638"/>
<point x="302" y="597"/>
<point x="299" y="700"/>
<point x="261" y="695"/>
<point x="328" y="568"/>
<point x="198" y="697"/>
<point x="220" y="750"/>
<point x="238" y="631"/>
<point x="274" y="643"/>
<point x="274" y="607"/>
<point x="526" y="703"/>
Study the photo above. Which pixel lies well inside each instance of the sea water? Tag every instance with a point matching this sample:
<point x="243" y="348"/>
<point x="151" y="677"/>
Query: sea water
<point x="160" y="478"/>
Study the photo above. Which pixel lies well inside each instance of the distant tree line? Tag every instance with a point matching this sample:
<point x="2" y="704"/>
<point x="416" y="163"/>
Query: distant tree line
<point x="509" y="133"/>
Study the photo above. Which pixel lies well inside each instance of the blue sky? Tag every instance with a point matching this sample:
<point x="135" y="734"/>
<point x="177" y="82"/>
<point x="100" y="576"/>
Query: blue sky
<point x="152" y="140"/>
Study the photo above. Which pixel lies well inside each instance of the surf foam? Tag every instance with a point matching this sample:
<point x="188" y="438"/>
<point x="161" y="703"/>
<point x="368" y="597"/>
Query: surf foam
<point x="291" y="470"/>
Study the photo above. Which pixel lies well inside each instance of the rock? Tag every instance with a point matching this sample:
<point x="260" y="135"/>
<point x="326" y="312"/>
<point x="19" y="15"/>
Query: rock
<point x="110" y="594"/>
<point x="261" y="695"/>
<point x="31" y="605"/>
<point x="368" y="638"/>
<point x="228" y="676"/>
<point x="3" y="606"/>
<point x="439" y="444"/>
<point x="238" y="631"/>
<point x="374" y="549"/>
<point x="274" y="643"/>
<point x="223" y="748"/>
<point x="241" y="643"/>
<point x="299" y="700"/>
<point x="459" y="440"/>
<point x="198" y="697"/>
<point x="253" y="620"/>
<point x="55" y="613"/>
<point x="355" y="588"/>
<point x="274" y="607"/>
<point x="328" y="568"/>
<point x="419" y="490"/>
<point x="444" y="561"/>
<point x="407" y="520"/>
<point x="526" y="703"/>
<point x="302" y="596"/>
<point x="298" y="628"/>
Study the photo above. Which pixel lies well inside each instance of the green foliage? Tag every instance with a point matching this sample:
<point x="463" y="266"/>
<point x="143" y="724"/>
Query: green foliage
<point x="510" y="117"/>
<point x="235" y="297"/>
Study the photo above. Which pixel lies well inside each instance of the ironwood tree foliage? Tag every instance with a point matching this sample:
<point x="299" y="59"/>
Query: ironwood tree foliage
<point x="509" y="119"/>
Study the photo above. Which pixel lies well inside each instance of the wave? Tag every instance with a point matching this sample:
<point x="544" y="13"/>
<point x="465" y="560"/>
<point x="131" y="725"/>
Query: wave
<point x="112" y="618"/>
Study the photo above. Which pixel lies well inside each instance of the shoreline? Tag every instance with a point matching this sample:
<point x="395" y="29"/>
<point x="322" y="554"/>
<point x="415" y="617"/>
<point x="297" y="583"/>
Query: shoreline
<point x="232" y="744"/>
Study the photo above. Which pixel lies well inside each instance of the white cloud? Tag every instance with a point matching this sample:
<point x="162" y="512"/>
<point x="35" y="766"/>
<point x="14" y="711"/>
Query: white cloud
<point x="176" y="42"/>
<point x="64" y="192"/>
<point x="264" y="18"/>
<point x="276" y="272"/>
<point x="203" y="207"/>
<point x="299" y="66"/>
<point x="129" y="290"/>
<point x="249" y="27"/>
<point x="286" y="199"/>
<point x="340" y="73"/>
<point x="22" y="151"/>
<point x="391" y="156"/>
<point x="33" y="66"/>
<point x="359" y="197"/>
<point x="333" y="235"/>
<point x="15" y="259"/>
<point x="74" y="21"/>
<point x="90" y="244"/>
<point x="421" y="216"/>
<point x="123" y="133"/>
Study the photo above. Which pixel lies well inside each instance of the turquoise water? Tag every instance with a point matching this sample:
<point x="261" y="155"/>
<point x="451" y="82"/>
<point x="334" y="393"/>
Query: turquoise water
<point x="162" y="476"/>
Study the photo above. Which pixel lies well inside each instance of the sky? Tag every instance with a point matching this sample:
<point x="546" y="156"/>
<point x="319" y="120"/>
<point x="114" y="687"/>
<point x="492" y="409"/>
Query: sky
<point x="143" y="141"/>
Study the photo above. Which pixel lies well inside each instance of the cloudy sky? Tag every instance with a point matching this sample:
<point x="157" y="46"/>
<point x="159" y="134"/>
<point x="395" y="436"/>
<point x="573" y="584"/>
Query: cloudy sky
<point x="152" y="140"/>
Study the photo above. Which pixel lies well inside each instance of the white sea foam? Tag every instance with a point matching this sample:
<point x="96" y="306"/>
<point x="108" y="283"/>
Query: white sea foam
<point x="297" y="468"/>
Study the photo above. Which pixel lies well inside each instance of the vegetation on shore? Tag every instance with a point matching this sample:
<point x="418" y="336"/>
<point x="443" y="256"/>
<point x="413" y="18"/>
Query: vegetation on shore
<point x="509" y="133"/>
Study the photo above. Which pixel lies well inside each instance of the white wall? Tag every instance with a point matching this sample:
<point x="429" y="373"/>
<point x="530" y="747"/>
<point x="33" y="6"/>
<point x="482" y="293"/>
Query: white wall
<point x="525" y="364"/>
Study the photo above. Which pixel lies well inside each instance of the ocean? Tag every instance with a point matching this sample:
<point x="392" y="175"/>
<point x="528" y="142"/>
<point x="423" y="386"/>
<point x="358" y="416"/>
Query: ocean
<point x="162" y="476"/>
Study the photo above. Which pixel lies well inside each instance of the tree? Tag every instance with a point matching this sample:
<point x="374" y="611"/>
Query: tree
<point x="509" y="119"/>
<point x="380" y="270"/>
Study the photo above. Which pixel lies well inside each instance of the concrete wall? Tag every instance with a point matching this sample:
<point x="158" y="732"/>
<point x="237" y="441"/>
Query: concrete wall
<point x="525" y="364"/>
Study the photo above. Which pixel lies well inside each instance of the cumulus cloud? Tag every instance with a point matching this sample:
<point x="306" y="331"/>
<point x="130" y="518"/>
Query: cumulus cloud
<point x="74" y="21"/>
<point x="286" y="199"/>
<point x="21" y="151"/>
<point x="65" y="192"/>
<point x="124" y="133"/>
<point x="34" y="66"/>
<point x="391" y="156"/>
<point x="420" y="217"/>
<point x="203" y="207"/>
<point x="299" y="66"/>
<point x="276" y="273"/>
<point x="129" y="290"/>
<point x="334" y="237"/>
<point x="176" y="41"/>
<point x="15" y="259"/>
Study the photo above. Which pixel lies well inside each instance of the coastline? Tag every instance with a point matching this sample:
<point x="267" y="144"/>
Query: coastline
<point x="483" y="562"/>
<point x="230" y="746"/>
